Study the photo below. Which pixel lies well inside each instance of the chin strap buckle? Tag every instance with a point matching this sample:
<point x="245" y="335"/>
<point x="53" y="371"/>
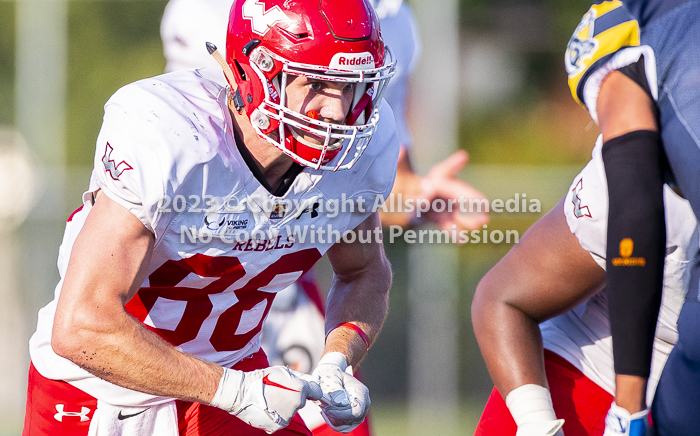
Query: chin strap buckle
<point x="237" y="100"/>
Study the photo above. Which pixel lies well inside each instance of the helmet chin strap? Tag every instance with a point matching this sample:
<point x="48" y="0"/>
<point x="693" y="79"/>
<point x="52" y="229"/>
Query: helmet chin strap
<point x="211" y="48"/>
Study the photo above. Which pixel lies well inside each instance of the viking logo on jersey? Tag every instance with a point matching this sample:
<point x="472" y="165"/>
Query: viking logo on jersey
<point x="579" y="211"/>
<point x="114" y="170"/>
<point x="231" y="222"/>
<point x="582" y="45"/>
<point x="260" y="19"/>
<point x="626" y="259"/>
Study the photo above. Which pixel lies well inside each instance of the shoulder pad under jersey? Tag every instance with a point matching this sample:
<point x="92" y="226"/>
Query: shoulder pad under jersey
<point x="603" y="30"/>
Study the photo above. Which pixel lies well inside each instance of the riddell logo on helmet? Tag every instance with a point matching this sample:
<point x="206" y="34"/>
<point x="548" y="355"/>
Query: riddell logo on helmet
<point x="352" y="61"/>
<point x="355" y="61"/>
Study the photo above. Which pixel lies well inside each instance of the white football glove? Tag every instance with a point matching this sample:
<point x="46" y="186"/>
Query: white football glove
<point x="345" y="401"/>
<point x="266" y="398"/>
<point x="619" y="422"/>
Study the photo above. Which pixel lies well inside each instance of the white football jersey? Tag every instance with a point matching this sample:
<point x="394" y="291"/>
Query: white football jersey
<point x="582" y="335"/>
<point x="223" y="244"/>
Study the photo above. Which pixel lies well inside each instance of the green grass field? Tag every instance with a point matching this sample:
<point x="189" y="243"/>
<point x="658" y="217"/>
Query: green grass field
<point x="391" y="419"/>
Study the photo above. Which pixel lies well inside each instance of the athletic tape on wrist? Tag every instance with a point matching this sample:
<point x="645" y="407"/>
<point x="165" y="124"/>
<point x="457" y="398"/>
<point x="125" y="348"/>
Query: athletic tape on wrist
<point x="228" y="390"/>
<point x="530" y="403"/>
<point x="354" y="327"/>
<point x="335" y="358"/>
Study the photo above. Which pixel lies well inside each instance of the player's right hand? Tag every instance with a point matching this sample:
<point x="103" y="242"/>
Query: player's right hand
<point x="620" y="422"/>
<point x="345" y="401"/>
<point x="541" y="428"/>
<point x="266" y="398"/>
<point x="442" y="182"/>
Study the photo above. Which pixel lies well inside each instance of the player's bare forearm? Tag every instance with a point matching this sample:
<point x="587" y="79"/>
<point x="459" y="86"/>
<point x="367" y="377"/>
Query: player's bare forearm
<point x="544" y="275"/>
<point x="92" y="329"/>
<point x="359" y="293"/>
<point x="631" y="392"/>
<point x="125" y="353"/>
<point x="509" y="339"/>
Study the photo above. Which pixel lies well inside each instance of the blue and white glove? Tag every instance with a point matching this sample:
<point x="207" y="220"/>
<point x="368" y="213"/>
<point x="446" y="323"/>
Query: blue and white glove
<point x="619" y="422"/>
<point x="345" y="401"/>
<point x="266" y="398"/>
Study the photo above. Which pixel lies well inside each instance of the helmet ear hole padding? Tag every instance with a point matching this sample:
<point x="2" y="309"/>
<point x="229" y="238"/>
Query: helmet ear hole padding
<point x="239" y="70"/>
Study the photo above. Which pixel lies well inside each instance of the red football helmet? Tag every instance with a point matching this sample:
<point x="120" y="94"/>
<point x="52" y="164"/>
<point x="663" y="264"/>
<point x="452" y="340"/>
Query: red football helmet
<point x="331" y="40"/>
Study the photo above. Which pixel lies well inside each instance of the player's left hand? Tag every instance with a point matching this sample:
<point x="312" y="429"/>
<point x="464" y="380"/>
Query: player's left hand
<point x="620" y="422"/>
<point x="345" y="401"/>
<point x="441" y="182"/>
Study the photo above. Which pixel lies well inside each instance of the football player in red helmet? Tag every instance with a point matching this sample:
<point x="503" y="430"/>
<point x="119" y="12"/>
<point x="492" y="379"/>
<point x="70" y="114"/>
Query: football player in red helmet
<point x="272" y="46"/>
<point x="155" y="327"/>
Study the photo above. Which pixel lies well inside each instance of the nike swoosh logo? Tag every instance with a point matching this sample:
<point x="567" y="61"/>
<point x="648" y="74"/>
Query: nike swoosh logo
<point x="120" y="416"/>
<point x="266" y="381"/>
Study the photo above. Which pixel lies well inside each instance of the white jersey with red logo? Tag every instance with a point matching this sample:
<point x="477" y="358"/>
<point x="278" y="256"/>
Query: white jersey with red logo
<point x="223" y="244"/>
<point x="582" y="335"/>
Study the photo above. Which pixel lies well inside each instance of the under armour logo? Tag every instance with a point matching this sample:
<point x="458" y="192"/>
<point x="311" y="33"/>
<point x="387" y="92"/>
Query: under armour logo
<point x="579" y="211"/>
<point x="83" y="414"/>
<point x="312" y="210"/>
<point x="261" y="20"/>
<point x="114" y="170"/>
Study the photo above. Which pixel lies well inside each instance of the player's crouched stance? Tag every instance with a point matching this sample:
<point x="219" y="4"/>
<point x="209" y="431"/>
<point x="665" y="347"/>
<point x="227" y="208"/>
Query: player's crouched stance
<point x="150" y="334"/>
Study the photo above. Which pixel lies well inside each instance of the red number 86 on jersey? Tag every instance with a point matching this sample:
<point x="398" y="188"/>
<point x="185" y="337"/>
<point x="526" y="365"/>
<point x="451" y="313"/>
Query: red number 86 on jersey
<point x="190" y="306"/>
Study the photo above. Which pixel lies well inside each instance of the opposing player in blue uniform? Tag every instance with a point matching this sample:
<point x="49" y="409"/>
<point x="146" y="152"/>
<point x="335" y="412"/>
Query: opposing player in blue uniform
<point x="654" y="44"/>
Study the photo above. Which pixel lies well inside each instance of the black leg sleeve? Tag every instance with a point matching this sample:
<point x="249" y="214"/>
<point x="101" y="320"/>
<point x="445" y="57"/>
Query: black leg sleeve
<point x="636" y="246"/>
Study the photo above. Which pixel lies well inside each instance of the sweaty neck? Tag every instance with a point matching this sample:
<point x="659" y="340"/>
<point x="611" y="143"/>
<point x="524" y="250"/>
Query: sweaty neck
<point x="273" y="169"/>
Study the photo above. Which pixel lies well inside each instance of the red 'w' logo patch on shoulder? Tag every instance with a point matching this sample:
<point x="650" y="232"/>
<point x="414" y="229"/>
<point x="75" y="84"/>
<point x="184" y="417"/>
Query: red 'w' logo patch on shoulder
<point x="114" y="170"/>
<point x="579" y="209"/>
